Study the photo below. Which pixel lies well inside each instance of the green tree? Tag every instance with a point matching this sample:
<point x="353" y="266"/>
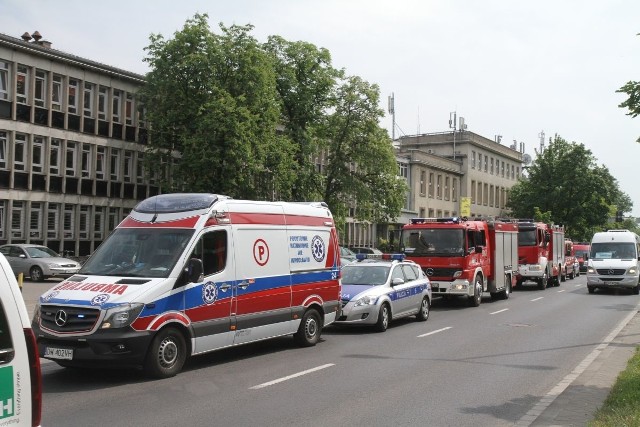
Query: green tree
<point x="566" y="182"/>
<point x="632" y="88"/>
<point x="211" y="98"/>
<point x="362" y="171"/>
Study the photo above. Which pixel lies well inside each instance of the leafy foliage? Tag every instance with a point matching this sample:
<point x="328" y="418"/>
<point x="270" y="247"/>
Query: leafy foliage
<point x="567" y="183"/>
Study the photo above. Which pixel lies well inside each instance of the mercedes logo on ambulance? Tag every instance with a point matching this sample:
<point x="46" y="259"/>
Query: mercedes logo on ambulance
<point x="61" y="318"/>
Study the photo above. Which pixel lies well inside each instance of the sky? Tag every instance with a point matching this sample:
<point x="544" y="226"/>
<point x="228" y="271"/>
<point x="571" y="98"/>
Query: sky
<point x="511" y="68"/>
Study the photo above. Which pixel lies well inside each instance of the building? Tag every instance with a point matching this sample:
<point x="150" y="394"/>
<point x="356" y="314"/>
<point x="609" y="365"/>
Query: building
<point x="71" y="146"/>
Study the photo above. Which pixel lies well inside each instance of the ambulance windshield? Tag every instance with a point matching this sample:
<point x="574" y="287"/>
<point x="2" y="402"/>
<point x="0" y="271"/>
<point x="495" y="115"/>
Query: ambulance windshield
<point x="138" y="252"/>
<point x="433" y="242"/>
<point x="613" y="250"/>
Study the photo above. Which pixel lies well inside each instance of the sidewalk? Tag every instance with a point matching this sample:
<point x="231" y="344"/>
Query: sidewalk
<point x="577" y="403"/>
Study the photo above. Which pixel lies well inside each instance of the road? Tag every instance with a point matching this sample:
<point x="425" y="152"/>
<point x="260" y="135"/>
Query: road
<point x="485" y="366"/>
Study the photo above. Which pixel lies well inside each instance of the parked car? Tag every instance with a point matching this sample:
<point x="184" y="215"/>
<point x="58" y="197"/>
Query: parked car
<point x="38" y="262"/>
<point x="377" y="291"/>
<point x="347" y="254"/>
<point x="20" y="375"/>
<point x="366" y="250"/>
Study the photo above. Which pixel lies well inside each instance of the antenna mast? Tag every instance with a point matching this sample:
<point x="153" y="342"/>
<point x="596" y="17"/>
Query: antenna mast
<point x="392" y="111"/>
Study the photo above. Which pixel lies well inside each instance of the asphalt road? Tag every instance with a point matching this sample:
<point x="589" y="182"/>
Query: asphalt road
<point x="485" y="366"/>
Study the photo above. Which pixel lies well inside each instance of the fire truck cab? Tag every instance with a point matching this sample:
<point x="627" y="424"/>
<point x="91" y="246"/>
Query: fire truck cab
<point x="464" y="257"/>
<point x="541" y="253"/>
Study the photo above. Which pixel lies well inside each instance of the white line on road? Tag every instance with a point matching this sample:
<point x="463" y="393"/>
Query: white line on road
<point x="434" y="332"/>
<point x="577" y="286"/>
<point x="536" y="299"/>
<point x="499" y="311"/>
<point x="561" y="291"/>
<point x="299" y="374"/>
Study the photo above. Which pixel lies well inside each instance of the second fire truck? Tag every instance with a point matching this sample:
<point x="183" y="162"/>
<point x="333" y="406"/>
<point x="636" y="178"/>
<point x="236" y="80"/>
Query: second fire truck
<point x="541" y="253"/>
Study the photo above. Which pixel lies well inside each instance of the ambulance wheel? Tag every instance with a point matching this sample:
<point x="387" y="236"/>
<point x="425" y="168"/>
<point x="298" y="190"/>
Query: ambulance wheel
<point x="476" y="299"/>
<point x="423" y="314"/>
<point x="383" y="318"/>
<point x="36" y="274"/>
<point x="636" y="290"/>
<point x="308" y="333"/>
<point x="167" y="354"/>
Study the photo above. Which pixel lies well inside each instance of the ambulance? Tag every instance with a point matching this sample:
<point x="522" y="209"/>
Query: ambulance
<point x="186" y="274"/>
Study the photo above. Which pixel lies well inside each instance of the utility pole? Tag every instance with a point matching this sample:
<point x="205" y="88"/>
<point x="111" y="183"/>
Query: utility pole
<point x="392" y="111"/>
<point x="453" y="119"/>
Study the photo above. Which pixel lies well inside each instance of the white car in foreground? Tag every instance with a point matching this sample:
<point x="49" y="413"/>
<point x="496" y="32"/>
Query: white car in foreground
<point x="381" y="288"/>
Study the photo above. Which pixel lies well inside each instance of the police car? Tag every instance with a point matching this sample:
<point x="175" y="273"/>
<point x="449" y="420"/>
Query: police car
<point x="379" y="288"/>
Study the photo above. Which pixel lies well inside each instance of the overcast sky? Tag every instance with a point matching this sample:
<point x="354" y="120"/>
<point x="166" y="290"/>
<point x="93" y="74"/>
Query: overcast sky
<point x="510" y="68"/>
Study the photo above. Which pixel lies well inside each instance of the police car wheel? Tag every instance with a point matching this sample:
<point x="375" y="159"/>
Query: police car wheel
<point x="167" y="354"/>
<point x="383" y="318"/>
<point x="308" y="333"/>
<point x="423" y="314"/>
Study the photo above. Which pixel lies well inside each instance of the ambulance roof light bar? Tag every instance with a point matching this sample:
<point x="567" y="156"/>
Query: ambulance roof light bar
<point x="179" y="202"/>
<point x="453" y="219"/>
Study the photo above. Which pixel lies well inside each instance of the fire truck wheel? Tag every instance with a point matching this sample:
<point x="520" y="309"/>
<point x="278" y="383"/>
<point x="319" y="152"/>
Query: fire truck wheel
<point x="308" y="333"/>
<point x="423" y="314"/>
<point x="383" y="318"/>
<point x="504" y="294"/>
<point x="542" y="282"/>
<point x="476" y="299"/>
<point x="167" y="354"/>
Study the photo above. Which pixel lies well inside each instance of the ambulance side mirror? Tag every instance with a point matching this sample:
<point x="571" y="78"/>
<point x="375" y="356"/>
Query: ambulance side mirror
<point x="194" y="270"/>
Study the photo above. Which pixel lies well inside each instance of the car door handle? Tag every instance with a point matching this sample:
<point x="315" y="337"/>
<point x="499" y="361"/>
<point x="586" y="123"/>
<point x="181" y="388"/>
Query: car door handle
<point x="243" y="285"/>
<point x="225" y="287"/>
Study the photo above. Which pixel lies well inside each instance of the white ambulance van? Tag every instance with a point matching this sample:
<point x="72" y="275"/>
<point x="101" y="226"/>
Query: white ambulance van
<point x="20" y="377"/>
<point x="613" y="261"/>
<point x="186" y="274"/>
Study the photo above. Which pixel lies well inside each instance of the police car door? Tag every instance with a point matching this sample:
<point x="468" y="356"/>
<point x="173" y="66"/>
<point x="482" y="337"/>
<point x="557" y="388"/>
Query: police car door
<point x="209" y="304"/>
<point x="401" y="295"/>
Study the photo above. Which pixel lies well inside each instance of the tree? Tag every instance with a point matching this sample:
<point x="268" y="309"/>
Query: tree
<point x="632" y="88"/>
<point x="362" y="171"/>
<point x="212" y="99"/>
<point x="566" y="182"/>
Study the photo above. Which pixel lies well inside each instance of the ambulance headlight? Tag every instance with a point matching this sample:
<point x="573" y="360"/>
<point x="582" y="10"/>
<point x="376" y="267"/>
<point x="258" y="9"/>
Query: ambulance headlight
<point x="632" y="271"/>
<point x="591" y="270"/>
<point x="366" y="301"/>
<point x="121" y="316"/>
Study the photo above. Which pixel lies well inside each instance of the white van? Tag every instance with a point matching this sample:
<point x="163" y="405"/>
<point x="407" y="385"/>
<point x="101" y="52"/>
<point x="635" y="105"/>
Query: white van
<point x="20" y="376"/>
<point x="613" y="261"/>
<point x="186" y="274"/>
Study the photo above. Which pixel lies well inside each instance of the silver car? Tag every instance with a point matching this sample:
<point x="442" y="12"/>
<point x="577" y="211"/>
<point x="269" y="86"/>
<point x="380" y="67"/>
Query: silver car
<point x="38" y="262"/>
<point x="378" y="290"/>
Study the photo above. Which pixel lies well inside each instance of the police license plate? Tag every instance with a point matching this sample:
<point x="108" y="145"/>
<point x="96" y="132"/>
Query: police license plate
<point x="58" y="353"/>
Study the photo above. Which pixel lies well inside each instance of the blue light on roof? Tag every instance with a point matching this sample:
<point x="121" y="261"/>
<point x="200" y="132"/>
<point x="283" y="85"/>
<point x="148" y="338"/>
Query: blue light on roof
<point x="178" y="202"/>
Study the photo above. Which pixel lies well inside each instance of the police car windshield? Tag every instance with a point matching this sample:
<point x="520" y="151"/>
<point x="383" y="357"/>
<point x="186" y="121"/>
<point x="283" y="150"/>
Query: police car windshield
<point x="613" y="250"/>
<point x="138" y="252"/>
<point x="433" y="242"/>
<point x="363" y="274"/>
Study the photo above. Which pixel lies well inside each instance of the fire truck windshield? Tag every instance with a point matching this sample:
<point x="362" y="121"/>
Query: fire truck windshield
<point x="527" y="237"/>
<point x="433" y="242"/>
<point x="138" y="252"/>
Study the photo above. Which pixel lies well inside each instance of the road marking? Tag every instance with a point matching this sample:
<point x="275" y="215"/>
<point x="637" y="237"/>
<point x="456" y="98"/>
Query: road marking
<point x="499" y="311"/>
<point x="536" y="299"/>
<point x="299" y="374"/>
<point x="577" y="286"/>
<point x="561" y="291"/>
<point x="434" y="332"/>
<point x="548" y="399"/>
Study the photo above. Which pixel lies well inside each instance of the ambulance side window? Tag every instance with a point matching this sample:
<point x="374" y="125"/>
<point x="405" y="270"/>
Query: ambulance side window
<point x="212" y="250"/>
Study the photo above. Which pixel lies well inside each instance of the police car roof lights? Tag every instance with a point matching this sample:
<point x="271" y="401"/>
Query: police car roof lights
<point x="386" y="257"/>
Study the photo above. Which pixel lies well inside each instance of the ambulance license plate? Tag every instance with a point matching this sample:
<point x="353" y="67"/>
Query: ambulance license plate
<point x="58" y="353"/>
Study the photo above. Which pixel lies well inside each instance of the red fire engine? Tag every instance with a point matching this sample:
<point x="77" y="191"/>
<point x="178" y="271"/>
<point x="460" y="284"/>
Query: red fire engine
<point x="571" y="267"/>
<point x="464" y="257"/>
<point x="540" y="253"/>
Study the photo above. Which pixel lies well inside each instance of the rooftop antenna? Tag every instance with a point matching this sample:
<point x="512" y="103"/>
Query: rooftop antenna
<point x="541" y="136"/>
<point x="453" y="118"/>
<point x="392" y="111"/>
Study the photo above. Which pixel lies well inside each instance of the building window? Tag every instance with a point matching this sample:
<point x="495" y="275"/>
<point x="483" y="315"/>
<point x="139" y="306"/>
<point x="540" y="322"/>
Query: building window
<point x="422" y="212"/>
<point x="486" y="163"/>
<point x="431" y="213"/>
<point x="69" y="222"/>
<point x="88" y="100"/>
<point x="20" y="152"/>
<point x="423" y="183"/>
<point x="3" y="211"/>
<point x="128" y="166"/>
<point x="492" y="166"/>
<point x="98" y="223"/>
<point x="140" y="169"/>
<point x="439" y="187"/>
<point x="86" y="161"/>
<point x="73" y="96"/>
<point x="117" y="102"/>
<point x="454" y="190"/>
<point x="508" y="170"/>
<point x="491" y="196"/>
<point x="83" y="225"/>
<point x="113" y="219"/>
<point x="35" y="221"/>
<point x="439" y="213"/>
<point x="4" y="80"/>
<point x="54" y="157"/>
<point x="479" y="161"/>
<point x="22" y="84"/>
<point x="518" y="172"/>
<point x="40" y="92"/>
<point x="71" y="159"/>
<point x="479" y="195"/>
<point x="431" y="183"/>
<point x="3" y="150"/>
<point x="114" y="165"/>
<point x="37" y="154"/>
<point x="56" y="93"/>
<point x="102" y="103"/>
<point x="403" y="170"/>
<point x="53" y="219"/>
<point x="17" y="220"/>
<point x="100" y="159"/>
<point x="446" y="188"/>
<point x="128" y="109"/>
<point x="502" y="169"/>
<point x="473" y="192"/>
<point x="473" y="160"/>
<point x="485" y="194"/>
<point x="513" y="174"/>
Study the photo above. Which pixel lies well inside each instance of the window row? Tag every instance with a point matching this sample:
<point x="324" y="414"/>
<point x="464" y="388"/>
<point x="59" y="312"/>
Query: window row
<point x="488" y="195"/>
<point x="436" y="213"/>
<point x="494" y="166"/>
<point x="440" y="186"/>
<point x="42" y="221"/>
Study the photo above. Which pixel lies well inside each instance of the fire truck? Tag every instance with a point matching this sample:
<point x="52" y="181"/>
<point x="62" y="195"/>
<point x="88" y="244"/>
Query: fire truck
<point x="572" y="268"/>
<point x="464" y="257"/>
<point x="541" y="253"/>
